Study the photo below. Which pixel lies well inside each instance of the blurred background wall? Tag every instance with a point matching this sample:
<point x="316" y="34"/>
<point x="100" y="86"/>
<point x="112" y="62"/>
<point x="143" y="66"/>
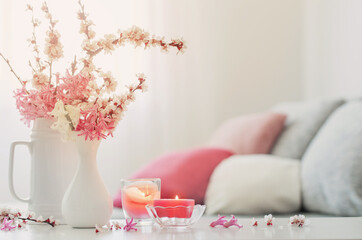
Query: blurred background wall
<point x="243" y="56"/>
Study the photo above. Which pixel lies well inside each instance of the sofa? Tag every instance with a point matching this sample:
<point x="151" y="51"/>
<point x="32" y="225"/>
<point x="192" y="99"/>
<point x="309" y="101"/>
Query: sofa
<point x="296" y="156"/>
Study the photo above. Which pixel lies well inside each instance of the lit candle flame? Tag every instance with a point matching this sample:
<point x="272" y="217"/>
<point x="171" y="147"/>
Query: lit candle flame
<point x="176" y="197"/>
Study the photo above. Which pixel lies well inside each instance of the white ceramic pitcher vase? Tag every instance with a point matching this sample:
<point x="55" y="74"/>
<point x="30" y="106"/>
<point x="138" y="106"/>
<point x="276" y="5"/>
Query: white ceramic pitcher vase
<point x="87" y="201"/>
<point x="53" y="163"/>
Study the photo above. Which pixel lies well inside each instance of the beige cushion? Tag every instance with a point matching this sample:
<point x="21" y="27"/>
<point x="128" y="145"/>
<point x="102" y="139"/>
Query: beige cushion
<point x="254" y="184"/>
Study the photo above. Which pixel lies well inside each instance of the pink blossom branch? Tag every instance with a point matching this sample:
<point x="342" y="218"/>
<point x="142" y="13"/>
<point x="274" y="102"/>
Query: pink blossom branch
<point x="12" y="70"/>
<point x="33" y="41"/>
<point x="73" y="66"/>
<point x="136" y="37"/>
<point x="45" y="9"/>
<point x="53" y="48"/>
<point x="85" y="22"/>
<point x="47" y="221"/>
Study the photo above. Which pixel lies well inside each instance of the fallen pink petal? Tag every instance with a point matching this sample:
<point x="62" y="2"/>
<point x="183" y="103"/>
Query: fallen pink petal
<point x="232" y="222"/>
<point x="99" y="229"/>
<point x="220" y="221"/>
<point x="298" y="220"/>
<point x="7" y="225"/>
<point x="269" y="220"/>
<point x="130" y="225"/>
<point x="117" y="226"/>
<point x="253" y="222"/>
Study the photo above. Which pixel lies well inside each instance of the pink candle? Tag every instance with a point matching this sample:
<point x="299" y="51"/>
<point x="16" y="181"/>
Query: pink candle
<point x="136" y="196"/>
<point x="179" y="208"/>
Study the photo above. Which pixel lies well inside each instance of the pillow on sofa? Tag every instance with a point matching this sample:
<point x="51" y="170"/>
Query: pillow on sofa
<point x="251" y="134"/>
<point x="185" y="173"/>
<point x="303" y="122"/>
<point x="254" y="184"/>
<point x="332" y="165"/>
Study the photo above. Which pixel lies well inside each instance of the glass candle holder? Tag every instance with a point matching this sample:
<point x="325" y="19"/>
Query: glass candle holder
<point x="136" y="194"/>
<point x="165" y="217"/>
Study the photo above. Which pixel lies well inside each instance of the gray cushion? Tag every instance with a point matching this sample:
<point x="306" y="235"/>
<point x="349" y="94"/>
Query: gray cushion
<point x="303" y="122"/>
<point x="332" y="164"/>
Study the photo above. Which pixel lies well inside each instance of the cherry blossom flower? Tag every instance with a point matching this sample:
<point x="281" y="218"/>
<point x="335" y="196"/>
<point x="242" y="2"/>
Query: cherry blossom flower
<point x="117" y="225"/>
<point x="7" y="225"/>
<point x="51" y="221"/>
<point x="107" y="43"/>
<point x="99" y="229"/>
<point x="109" y="81"/>
<point x="232" y="222"/>
<point x="40" y="80"/>
<point x="53" y="47"/>
<point x="253" y="222"/>
<point x="130" y="225"/>
<point x="220" y="221"/>
<point x="298" y="220"/>
<point x="268" y="219"/>
<point x="21" y="224"/>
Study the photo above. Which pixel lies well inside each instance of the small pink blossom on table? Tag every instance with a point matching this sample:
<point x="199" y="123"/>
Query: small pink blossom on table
<point x="268" y="219"/>
<point x="117" y="226"/>
<point x="99" y="229"/>
<point x="220" y="221"/>
<point x="130" y="225"/>
<point x="298" y="220"/>
<point x="232" y="222"/>
<point x="253" y="222"/>
<point x="7" y="225"/>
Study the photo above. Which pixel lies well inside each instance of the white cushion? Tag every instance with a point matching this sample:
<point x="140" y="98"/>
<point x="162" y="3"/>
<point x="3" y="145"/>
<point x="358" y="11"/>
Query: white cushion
<point x="254" y="184"/>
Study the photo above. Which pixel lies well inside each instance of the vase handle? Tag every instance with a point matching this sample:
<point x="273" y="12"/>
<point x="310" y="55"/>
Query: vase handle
<point x="11" y="169"/>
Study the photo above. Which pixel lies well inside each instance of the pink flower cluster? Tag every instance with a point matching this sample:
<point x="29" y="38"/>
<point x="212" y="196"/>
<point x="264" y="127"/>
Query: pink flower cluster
<point x="83" y="101"/>
<point x="296" y="220"/>
<point x="129" y="226"/>
<point x="34" y="104"/>
<point x="94" y="125"/>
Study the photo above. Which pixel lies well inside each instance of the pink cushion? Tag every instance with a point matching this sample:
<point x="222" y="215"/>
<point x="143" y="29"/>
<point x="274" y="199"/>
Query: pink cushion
<point x="185" y="173"/>
<point x="251" y="134"/>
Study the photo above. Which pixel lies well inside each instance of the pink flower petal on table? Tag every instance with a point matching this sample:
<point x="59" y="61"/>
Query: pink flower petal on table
<point x="99" y="229"/>
<point x="268" y="219"/>
<point x="220" y="221"/>
<point x="232" y="222"/>
<point x="253" y="222"/>
<point x="117" y="226"/>
<point x="130" y="225"/>
<point x="7" y="225"/>
<point x="298" y="220"/>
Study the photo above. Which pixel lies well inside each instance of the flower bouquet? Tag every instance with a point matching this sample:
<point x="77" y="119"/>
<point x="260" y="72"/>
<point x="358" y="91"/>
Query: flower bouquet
<point x="81" y="102"/>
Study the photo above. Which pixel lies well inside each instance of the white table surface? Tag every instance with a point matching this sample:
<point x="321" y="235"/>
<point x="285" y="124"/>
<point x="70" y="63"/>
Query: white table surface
<point x="319" y="228"/>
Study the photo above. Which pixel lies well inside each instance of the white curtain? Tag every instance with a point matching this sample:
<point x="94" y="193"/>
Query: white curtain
<point x="242" y="56"/>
